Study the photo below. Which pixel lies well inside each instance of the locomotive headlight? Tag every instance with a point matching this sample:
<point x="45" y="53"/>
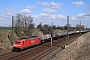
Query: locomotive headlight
<point x="18" y="45"/>
<point x="14" y="44"/>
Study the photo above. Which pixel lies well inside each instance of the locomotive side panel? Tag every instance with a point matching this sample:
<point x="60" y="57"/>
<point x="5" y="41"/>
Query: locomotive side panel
<point x="27" y="43"/>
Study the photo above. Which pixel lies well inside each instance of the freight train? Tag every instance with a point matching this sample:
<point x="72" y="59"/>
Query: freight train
<point x="23" y="43"/>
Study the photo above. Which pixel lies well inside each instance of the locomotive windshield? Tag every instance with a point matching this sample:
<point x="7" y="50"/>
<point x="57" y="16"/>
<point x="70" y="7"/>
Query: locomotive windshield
<point x="17" y="42"/>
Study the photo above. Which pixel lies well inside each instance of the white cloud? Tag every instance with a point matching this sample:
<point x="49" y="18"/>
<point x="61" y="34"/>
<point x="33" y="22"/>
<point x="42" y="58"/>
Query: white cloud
<point x="25" y="11"/>
<point x="84" y="14"/>
<point x="73" y="18"/>
<point x="35" y="16"/>
<point x="44" y="15"/>
<point x="80" y="15"/>
<point x="56" y="5"/>
<point x="49" y="16"/>
<point x="43" y="3"/>
<point x="87" y="13"/>
<point x="62" y="19"/>
<point x="52" y="16"/>
<point x="61" y="16"/>
<point x="30" y="7"/>
<point x="49" y="10"/>
<point x="1" y="17"/>
<point x="6" y="16"/>
<point x="52" y="4"/>
<point x="9" y="11"/>
<point x="78" y="3"/>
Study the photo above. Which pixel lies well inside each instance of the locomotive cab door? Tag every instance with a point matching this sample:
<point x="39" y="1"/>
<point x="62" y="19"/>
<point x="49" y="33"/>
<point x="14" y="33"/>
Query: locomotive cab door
<point x="23" y="44"/>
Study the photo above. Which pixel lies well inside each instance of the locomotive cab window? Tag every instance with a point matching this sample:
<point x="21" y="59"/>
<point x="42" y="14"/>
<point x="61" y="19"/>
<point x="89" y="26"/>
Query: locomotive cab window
<point x="18" y="42"/>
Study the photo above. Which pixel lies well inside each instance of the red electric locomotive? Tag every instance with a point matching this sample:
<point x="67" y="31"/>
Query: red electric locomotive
<point x="20" y="44"/>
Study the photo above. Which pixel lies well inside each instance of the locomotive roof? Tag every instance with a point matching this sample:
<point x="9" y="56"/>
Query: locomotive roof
<point x="32" y="37"/>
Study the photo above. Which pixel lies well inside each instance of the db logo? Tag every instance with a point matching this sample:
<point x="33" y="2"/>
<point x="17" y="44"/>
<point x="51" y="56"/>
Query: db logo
<point x="32" y="41"/>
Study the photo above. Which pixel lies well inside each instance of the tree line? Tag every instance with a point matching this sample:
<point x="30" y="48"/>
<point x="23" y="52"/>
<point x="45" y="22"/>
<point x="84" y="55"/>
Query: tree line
<point x="24" y="26"/>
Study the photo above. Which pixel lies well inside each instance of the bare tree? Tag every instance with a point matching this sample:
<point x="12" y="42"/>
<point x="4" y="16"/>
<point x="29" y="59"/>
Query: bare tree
<point x="79" y="27"/>
<point x="40" y="26"/>
<point x="46" y="29"/>
<point x="23" y="24"/>
<point x="69" y="26"/>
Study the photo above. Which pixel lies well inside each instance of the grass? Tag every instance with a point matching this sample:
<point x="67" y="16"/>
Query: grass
<point x="5" y="28"/>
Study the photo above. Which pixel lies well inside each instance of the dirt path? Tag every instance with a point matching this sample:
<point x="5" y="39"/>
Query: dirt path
<point x="78" y="50"/>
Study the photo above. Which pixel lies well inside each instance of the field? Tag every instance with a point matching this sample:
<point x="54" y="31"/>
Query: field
<point x="5" y="28"/>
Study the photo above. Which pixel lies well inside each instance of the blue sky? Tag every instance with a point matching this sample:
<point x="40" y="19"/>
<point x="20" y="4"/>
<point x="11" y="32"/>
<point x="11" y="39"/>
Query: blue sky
<point x="47" y="11"/>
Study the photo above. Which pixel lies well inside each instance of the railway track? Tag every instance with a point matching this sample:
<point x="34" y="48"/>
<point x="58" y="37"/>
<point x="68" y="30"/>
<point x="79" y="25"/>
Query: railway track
<point x="43" y="54"/>
<point x="17" y="55"/>
<point x="29" y="53"/>
<point x="7" y="55"/>
<point x="60" y="45"/>
<point x="39" y="51"/>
